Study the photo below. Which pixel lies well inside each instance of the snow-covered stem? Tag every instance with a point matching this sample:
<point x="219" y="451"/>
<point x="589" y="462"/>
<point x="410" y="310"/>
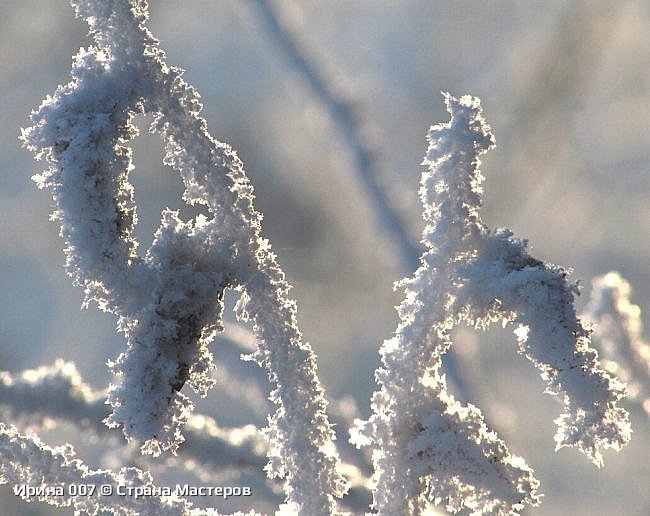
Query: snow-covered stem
<point x="346" y="115"/>
<point x="169" y="301"/>
<point x="50" y="471"/>
<point x="428" y="448"/>
<point x="59" y="394"/>
<point x="618" y="335"/>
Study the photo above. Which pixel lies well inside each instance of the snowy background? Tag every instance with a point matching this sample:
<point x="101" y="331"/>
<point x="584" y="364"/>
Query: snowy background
<point x="565" y="86"/>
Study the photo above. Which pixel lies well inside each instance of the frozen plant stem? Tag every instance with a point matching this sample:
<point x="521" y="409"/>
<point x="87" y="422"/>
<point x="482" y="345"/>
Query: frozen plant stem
<point x="618" y="335"/>
<point x="58" y="393"/>
<point x="27" y="462"/>
<point x="427" y="447"/>
<point x="347" y="119"/>
<point x="169" y="300"/>
<point x="346" y="116"/>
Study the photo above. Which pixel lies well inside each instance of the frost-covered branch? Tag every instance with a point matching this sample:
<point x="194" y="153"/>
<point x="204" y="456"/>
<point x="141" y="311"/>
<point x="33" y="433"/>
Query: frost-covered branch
<point x="58" y="393"/>
<point x="41" y="472"/>
<point x="55" y="394"/>
<point x="345" y="115"/>
<point x="169" y="300"/>
<point x="428" y="448"/>
<point x="618" y="335"/>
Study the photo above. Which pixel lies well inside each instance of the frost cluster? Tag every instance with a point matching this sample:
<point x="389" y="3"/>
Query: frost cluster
<point x="169" y="299"/>
<point x="427" y="447"/>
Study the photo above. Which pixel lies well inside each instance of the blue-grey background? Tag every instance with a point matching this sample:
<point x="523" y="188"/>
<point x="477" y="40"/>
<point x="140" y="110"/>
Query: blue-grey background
<point x="564" y="84"/>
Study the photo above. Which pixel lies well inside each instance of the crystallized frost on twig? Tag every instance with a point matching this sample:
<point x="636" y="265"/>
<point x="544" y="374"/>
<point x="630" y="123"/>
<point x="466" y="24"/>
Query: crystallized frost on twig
<point x="169" y="301"/>
<point x="40" y="472"/>
<point x="428" y="448"/>
<point x="618" y="335"/>
<point x="57" y="394"/>
<point x="346" y="115"/>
